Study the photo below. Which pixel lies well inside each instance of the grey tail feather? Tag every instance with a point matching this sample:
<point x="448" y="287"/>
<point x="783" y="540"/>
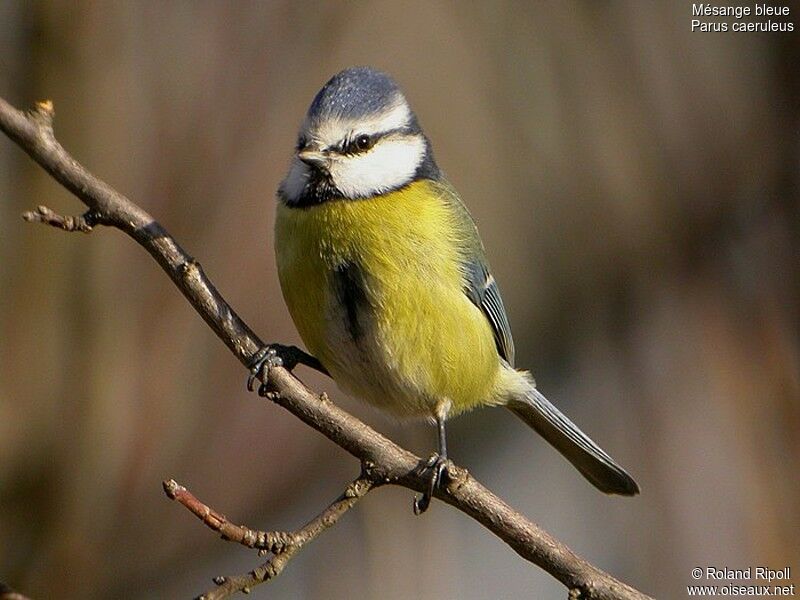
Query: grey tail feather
<point x="593" y="463"/>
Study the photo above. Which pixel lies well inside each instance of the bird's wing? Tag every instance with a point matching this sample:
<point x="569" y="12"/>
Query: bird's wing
<point x="479" y="284"/>
<point x="482" y="289"/>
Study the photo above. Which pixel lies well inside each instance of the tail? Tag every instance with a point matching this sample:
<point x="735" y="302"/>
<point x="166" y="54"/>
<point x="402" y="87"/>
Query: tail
<point x="597" y="466"/>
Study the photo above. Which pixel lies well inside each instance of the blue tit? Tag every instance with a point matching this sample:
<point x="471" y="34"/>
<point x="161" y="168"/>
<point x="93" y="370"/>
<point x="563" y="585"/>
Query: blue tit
<point x="387" y="280"/>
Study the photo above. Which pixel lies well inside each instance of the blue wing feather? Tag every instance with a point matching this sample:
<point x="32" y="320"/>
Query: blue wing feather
<point x="482" y="290"/>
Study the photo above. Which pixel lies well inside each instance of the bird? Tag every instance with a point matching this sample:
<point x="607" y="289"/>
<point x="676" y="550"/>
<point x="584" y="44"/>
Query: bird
<point x="387" y="281"/>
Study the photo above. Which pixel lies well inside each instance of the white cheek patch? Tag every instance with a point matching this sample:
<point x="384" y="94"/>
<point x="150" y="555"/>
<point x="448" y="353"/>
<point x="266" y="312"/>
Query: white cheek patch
<point x="295" y="182"/>
<point x="391" y="163"/>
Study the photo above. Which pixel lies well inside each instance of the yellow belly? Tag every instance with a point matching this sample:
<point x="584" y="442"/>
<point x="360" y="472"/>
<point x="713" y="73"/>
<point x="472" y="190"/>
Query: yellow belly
<point x="421" y="343"/>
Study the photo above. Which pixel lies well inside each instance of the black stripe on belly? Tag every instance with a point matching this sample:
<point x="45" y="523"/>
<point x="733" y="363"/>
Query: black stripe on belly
<point x="348" y="285"/>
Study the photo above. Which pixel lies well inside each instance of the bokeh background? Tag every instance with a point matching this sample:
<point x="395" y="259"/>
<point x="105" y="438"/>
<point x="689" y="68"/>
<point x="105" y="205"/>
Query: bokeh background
<point x="636" y="186"/>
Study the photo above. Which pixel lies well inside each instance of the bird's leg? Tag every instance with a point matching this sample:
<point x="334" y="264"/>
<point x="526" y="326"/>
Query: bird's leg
<point x="437" y="465"/>
<point x="278" y="355"/>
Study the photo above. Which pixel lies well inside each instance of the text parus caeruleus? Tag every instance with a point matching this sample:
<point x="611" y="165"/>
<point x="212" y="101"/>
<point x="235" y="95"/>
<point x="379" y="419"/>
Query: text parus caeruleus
<point x="387" y="280"/>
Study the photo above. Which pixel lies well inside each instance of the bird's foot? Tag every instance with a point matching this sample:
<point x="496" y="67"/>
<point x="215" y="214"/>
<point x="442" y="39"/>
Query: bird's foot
<point x="265" y="359"/>
<point x="437" y="465"/>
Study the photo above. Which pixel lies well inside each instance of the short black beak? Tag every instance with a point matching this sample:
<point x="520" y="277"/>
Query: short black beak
<point x="313" y="156"/>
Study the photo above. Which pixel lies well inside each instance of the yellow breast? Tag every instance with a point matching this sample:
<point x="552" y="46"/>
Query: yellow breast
<point x="419" y="341"/>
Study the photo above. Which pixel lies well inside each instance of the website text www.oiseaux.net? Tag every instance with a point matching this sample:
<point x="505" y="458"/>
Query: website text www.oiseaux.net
<point x="777" y="582"/>
<point x="733" y="590"/>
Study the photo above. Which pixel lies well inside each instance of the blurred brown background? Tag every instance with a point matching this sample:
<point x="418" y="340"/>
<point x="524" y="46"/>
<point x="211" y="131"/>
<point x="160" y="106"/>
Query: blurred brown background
<point x="636" y="186"/>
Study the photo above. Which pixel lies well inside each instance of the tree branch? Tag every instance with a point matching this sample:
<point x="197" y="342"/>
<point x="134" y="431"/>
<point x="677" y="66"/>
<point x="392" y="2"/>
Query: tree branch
<point x="282" y="544"/>
<point x="385" y="461"/>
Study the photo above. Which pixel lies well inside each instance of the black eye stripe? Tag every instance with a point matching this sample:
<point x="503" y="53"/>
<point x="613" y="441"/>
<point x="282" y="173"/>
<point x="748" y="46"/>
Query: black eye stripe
<point x="350" y="143"/>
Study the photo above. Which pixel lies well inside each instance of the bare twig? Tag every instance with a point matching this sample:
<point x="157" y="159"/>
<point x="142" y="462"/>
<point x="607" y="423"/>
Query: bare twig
<point x="388" y="462"/>
<point x="42" y="214"/>
<point x="270" y="541"/>
<point x="284" y="545"/>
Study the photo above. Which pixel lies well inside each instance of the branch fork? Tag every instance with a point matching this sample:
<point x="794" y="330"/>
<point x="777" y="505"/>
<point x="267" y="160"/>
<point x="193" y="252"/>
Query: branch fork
<point x="282" y="545"/>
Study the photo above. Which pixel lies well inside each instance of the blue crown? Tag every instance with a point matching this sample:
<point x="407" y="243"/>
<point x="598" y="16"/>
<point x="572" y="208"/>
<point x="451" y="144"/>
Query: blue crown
<point x="354" y="93"/>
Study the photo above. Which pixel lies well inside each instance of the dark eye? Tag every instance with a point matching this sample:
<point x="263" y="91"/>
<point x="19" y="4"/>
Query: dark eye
<point x="362" y="143"/>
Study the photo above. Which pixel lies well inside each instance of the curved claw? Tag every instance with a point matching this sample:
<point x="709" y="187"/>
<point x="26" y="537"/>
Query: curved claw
<point x="437" y="464"/>
<point x="264" y="360"/>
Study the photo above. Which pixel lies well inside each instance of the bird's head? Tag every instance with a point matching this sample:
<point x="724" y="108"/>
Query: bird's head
<point x="359" y="139"/>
